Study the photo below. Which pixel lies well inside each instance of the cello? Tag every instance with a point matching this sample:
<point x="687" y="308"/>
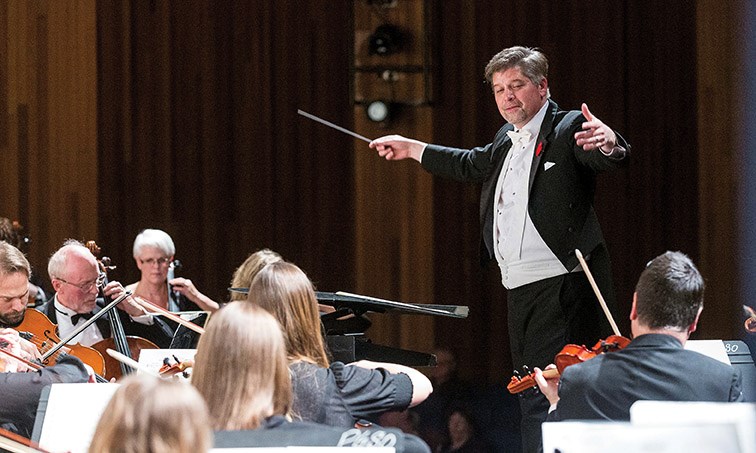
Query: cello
<point x="572" y="354"/>
<point x="129" y="346"/>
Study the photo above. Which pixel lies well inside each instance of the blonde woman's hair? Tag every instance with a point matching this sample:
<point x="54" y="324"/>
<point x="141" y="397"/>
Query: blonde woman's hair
<point x="286" y="292"/>
<point x="244" y="274"/>
<point x="241" y="369"/>
<point x="147" y="414"/>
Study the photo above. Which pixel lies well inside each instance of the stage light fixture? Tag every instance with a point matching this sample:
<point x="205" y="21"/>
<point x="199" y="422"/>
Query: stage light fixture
<point x="378" y="111"/>
<point x="387" y="39"/>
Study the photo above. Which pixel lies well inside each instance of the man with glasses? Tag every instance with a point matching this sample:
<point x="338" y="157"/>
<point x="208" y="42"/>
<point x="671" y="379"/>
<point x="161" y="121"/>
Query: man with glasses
<point x="20" y="387"/>
<point x="78" y="284"/>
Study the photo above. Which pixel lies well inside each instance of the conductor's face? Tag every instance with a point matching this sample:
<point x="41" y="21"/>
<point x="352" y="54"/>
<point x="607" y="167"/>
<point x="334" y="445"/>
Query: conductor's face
<point x="517" y="97"/>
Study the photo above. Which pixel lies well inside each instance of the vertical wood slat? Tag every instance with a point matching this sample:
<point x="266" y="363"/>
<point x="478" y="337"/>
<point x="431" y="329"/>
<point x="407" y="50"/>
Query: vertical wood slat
<point x="394" y="201"/>
<point x="718" y="98"/>
<point x="51" y="103"/>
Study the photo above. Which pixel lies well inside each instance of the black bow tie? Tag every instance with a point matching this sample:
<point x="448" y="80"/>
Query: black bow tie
<point x="75" y="318"/>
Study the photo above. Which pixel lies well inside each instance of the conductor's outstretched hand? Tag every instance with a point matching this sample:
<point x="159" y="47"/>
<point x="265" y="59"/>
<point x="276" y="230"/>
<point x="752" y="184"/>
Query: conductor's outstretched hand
<point x="396" y="147"/>
<point x="595" y="134"/>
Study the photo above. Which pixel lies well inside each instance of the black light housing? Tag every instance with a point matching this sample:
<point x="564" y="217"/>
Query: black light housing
<point x="387" y="39"/>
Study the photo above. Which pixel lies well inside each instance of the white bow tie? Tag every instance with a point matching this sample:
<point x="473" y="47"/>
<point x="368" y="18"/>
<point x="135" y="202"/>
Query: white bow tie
<point x="516" y="136"/>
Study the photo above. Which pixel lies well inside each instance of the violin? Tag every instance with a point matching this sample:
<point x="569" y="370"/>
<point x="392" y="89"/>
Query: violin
<point x="750" y="322"/>
<point x="38" y="329"/>
<point x="130" y="346"/>
<point x="572" y="354"/>
<point x="6" y="365"/>
<point x="172" y="369"/>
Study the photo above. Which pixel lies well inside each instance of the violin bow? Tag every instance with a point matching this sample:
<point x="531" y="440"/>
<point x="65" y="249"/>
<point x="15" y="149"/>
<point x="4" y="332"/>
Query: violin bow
<point x="130" y="362"/>
<point x="596" y="290"/>
<point x="28" y="363"/>
<point x="16" y="443"/>
<point x="88" y="323"/>
<point x="160" y="310"/>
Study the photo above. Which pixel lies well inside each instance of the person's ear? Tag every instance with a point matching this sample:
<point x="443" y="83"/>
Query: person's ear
<point x="634" y="309"/>
<point x="692" y="328"/>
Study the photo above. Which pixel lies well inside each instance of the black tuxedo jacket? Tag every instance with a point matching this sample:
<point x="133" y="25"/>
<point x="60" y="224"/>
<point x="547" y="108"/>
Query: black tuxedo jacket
<point x="560" y="201"/>
<point x="159" y="332"/>
<point x="652" y="367"/>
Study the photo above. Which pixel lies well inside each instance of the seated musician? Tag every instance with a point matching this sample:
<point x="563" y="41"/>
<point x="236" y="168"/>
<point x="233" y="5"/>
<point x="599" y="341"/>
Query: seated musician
<point x="11" y="232"/>
<point x="667" y="303"/>
<point x="242" y="372"/>
<point x="153" y="252"/>
<point x="20" y="386"/>
<point x="77" y="281"/>
<point x="334" y="394"/>
<point x="246" y="272"/>
<point x="153" y="415"/>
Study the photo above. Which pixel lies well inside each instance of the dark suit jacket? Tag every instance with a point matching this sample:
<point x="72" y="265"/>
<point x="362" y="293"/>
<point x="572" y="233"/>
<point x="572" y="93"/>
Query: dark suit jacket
<point x="560" y="201"/>
<point x="21" y="391"/>
<point x="652" y="367"/>
<point x="159" y="332"/>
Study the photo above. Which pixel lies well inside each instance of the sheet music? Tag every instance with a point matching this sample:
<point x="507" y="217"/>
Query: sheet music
<point x="73" y="411"/>
<point x="712" y="348"/>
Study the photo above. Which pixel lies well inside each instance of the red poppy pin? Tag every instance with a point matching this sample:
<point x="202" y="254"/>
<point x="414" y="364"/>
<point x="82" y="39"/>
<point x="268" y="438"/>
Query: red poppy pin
<point x="539" y="148"/>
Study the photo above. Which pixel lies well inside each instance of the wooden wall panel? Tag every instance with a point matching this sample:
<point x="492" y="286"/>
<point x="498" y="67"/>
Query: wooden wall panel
<point x="49" y="143"/>
<point x="719" y="101"/>
<point x="204" y="141"/>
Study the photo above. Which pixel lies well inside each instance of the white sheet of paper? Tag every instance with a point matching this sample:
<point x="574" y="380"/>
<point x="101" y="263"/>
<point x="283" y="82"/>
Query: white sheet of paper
<point x="624" y="437"/>
<point x="673" y="413"/>
<point x="712" y="348"/>
<point x="73" y="411"/>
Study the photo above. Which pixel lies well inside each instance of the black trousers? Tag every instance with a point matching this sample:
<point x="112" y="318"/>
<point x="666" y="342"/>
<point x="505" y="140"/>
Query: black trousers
<point x="543" y="317"/>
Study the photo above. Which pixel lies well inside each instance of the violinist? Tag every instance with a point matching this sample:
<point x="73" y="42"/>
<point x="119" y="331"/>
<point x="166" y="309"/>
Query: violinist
<point x="20" y="386"/>
<point x="667" y="304"/>
<point x="244" y="274"/>
<point x="77" y="281"/>
<point x="153" y="252"/>
<point x="11" y="232"/>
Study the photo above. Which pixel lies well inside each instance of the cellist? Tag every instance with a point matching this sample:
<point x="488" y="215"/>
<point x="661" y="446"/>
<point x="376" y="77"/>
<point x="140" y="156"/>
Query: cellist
<point x="21" y="386"/>
<point x="77" y="281"/>
<point x="667" y="303"/>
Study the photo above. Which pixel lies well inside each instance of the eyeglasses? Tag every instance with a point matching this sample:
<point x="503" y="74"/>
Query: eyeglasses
<point x="87" y="286"/>
<point x="151" y="261"/>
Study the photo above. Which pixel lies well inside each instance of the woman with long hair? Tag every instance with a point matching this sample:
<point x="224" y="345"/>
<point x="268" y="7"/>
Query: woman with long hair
<point x="147" y="414"/>
<point x="246" y="272"/>
<point x="242" y="371"/>
<point x="334" y="394"/>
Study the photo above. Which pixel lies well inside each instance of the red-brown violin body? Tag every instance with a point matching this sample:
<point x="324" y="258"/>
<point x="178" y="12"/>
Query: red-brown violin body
<point x="569" y="355"/>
